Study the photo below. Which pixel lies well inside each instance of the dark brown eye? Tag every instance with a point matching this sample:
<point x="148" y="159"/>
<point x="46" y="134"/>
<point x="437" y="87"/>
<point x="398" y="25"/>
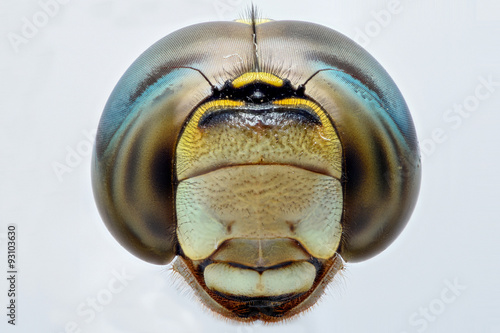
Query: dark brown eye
<point x="261" y="182"/>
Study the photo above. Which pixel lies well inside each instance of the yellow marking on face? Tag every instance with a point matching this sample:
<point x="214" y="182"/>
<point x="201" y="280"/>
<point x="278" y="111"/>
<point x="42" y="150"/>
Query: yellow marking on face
<point x="252" y="77"/>
<point x="257" y="21"/>
<point x="217" y="104"/>
<point x="192" y="135"/>
<point x="192" y="126"/>
<point x="328" y="132"/>
<point x="313" y="147"/>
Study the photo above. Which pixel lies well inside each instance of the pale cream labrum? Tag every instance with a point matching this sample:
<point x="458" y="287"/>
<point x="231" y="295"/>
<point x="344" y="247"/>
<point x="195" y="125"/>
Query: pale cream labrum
<point x="295" y="278"/>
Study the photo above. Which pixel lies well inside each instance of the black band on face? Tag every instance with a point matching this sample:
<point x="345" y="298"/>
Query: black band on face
<point x="257" y="92"/>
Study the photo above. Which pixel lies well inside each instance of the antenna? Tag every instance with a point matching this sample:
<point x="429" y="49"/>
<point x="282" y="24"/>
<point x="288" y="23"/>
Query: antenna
<point x="214" y="88"/>
<point x="302" y="87"/>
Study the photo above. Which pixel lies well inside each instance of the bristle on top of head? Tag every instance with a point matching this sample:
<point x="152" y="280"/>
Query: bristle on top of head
<point x="252" y="16"/>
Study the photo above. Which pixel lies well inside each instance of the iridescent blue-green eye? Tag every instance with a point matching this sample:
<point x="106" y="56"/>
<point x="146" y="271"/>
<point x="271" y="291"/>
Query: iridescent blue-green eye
<point x="263" y="155"/>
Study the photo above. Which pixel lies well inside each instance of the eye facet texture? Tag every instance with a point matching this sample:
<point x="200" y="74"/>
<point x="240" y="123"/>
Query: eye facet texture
<point x="263" y="155"/>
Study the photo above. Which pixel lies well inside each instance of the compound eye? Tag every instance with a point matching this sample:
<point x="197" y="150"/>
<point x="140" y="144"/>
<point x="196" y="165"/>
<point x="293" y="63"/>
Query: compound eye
<point x="133" y="160"/>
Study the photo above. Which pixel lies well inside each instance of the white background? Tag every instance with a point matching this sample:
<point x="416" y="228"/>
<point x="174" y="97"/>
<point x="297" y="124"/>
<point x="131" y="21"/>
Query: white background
<point x="53" y="87"/>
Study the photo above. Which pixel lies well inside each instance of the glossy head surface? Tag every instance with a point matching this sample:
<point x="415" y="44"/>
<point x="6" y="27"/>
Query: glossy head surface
<point x="262" y="154"/>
